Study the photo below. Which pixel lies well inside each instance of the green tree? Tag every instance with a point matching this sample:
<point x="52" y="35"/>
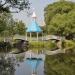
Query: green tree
<point x="4" y="18"/>
<point x="10" y="30"/>
<point x="20" y="28"/>
<point x="5" y="5"/>
<point x="59" y="18"/>
<point x="7" y="25"/>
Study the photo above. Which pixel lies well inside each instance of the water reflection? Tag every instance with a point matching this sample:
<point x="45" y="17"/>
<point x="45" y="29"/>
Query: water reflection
<point x="17" y="66"/>
<point x="6" y="66"/>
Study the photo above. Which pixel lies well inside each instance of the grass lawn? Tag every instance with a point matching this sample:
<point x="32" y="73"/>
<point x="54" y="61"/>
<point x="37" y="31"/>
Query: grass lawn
<point x="41" y="45"/>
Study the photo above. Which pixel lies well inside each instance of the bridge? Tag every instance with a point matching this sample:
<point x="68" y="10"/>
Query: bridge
<point x="44" y="38"/>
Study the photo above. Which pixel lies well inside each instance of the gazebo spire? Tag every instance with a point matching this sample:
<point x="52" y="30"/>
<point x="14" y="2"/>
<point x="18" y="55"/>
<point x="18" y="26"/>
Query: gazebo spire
<point x="34" y="14"/>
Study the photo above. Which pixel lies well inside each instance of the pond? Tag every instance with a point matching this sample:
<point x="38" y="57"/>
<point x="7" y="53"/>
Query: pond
<point x="18" y="65"/>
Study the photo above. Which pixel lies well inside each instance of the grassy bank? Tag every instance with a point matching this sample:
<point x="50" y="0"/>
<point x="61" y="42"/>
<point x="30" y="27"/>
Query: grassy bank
<point x="68" y="45"/>
<point x="41" y="45"/>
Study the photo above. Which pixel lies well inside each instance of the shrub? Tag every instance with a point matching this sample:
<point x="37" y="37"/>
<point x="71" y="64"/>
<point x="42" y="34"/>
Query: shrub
<point x="69" y="45"/>
<point x="5" y="46"/>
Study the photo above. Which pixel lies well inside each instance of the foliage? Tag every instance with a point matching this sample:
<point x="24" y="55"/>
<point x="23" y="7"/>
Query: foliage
<point x="60" y="64"/>
<point x="20" y="28"/>
<point x="3" y="21"/>
<point x="5" y="47"/>
<point x="69" y="45"/>
<point x="59" y="18"/>
<point x="19" y="5"/>
<point x="44" y="30"/>
<point x="6" y="66"/>
<point x="8" y="25"/>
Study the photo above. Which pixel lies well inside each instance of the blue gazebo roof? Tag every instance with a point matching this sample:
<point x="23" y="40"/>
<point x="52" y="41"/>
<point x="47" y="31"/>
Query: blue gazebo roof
<point x="34" y="27"/>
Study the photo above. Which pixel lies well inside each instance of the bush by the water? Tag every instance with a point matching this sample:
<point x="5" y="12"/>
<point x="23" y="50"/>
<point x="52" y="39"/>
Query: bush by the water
<point x="60" y="64"/>
<point x="69" y="45"/>
<point x="5" y="46"/>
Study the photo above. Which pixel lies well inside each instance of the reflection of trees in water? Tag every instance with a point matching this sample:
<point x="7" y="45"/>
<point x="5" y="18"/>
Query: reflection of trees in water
<point x="20" y="58"/>
<point x="6" y="66"/>
<point x="60" y="64"/>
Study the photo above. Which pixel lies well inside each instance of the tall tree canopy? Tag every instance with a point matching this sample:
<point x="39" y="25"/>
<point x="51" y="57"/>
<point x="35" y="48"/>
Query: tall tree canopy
<point x="9" y="27"/>
<point x="4" y="19"/>
<point x="20" y="28"/>
<point x="6" y="24"/>
<point x="60" y="18"/>
<point x="5" y="5"/>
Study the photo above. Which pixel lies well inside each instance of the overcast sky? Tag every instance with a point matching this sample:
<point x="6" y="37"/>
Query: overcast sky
<point x="39" y="6"/>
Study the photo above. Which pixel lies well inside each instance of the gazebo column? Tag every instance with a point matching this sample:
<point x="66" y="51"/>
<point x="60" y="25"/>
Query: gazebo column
<point x="37" y="36"/>
<point x="30" y="36"/>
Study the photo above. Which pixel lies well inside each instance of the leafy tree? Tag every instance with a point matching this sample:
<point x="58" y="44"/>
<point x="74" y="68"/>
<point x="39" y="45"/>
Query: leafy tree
<point x="3" y="21"/>
<point x="5" y="5"/>
<point x="11" y="27"/>
<point x="6" y="24"/>
<point x="8" y="27"/>
<point x="59" y="18"/>
<point x="20" y="28"/>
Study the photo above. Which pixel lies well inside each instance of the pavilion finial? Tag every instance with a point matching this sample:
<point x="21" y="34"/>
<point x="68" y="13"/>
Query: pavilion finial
<point x="33" y="14"/>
